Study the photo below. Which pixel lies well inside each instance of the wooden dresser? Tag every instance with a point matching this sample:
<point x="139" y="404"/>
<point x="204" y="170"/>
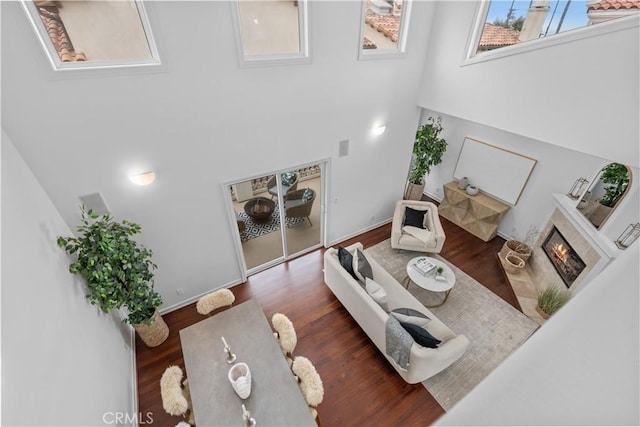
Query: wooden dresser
<point x="480" y="215"/>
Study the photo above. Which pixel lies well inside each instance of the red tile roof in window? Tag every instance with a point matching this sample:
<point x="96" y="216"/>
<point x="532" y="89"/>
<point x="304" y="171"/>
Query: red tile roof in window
<point x="497" y="36"/>
<point x="615" y="5"/>
<point x="388" y="25"/>
<point x="57" y="32"/>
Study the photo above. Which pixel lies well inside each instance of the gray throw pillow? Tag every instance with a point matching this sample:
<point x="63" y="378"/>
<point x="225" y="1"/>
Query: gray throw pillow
<point x="411" y="316"/>
<point x="378" y="293"/>
<point x="361" y="266"/>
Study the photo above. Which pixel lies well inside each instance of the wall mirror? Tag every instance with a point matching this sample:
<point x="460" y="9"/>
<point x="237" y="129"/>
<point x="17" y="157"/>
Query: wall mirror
<point x="605" y="193"/>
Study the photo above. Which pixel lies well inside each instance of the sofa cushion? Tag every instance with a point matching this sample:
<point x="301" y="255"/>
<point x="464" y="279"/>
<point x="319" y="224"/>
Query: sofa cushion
<point x="287" y="178"/>
<point x="378" y="293"/>
<point x="421" y="335"/>
<point x="361" y="266"/>
<point x="307" y="195"/>
<point x="409" y="315"/>
<point x="346" y="261"/>
<point x="414" y="217"/>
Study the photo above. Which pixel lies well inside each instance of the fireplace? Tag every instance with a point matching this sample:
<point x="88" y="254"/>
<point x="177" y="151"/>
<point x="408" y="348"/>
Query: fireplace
<point x="564" y="259"/>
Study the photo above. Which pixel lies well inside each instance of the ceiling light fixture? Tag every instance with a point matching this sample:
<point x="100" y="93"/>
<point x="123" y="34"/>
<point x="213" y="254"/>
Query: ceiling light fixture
<point x="143" y="178"/>
<point x="378" y="129"/>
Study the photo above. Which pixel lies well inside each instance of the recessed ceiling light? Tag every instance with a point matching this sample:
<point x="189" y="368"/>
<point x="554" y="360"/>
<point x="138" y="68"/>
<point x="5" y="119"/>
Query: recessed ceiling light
<point x="379" y="129"/>
<point x="143" y="178"/>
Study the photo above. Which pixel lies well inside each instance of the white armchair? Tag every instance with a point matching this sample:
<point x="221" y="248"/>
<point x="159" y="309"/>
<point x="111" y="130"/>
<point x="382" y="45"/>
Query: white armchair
<point x="425" y="237"/>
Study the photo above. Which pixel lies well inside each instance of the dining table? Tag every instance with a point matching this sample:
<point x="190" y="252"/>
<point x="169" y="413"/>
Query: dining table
<point x="275" y="398"/>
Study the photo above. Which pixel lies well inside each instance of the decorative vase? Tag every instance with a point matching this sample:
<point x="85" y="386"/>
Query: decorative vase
<point x="472" y="190"/>
<point x="463" y="183"/>
<point x="414" y="191"/>
<point x="240" y="379"/>
<point x="154" y="334"/>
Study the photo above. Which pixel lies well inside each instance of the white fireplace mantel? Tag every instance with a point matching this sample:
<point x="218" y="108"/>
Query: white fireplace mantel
<point x="598" y="239"/>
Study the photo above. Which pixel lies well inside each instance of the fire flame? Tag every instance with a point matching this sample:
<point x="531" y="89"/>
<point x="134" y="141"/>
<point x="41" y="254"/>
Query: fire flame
<point x="561" y="252"/>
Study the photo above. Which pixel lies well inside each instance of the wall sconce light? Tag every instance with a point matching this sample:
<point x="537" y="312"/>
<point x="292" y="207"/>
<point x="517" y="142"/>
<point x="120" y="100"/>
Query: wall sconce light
<point x="378" y="130"/>
<point x="143" y="178"/>
<point x="628" y="236"/>
<point x="576" y="190"/>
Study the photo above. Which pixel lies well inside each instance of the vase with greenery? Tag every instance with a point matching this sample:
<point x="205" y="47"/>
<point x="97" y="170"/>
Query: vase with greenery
<point x="551" y="299"/>
<point x="428" y="149"/>
<point x="118" y="271"/>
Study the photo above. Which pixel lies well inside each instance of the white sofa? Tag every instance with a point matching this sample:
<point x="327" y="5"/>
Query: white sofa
<point x="423" y="362"/>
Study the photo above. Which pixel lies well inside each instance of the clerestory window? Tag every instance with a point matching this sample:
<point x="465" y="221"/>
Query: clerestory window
<point x="93" y="34"/>
<point x="383" y="28"/>
<point x="505" y="23"/>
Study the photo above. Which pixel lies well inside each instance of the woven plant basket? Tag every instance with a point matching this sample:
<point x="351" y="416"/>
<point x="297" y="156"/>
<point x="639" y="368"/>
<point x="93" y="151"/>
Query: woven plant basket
<point x="513" y="263"/>
<point x="520" y="249"/>
<point x="154" y="334"/>
<point x="542" y="313"/>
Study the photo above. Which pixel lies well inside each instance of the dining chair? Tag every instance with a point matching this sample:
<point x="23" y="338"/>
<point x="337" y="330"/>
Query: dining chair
<point x="215" y="300"/>
<point x="285" y="334"/>
<point x="176" y="399"/>
<point x="310" y="384"/>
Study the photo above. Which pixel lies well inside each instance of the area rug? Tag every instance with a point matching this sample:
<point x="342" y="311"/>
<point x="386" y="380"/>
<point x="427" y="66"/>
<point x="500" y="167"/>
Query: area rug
<point x="494" y="328"/>
<point x="256" y="229"/>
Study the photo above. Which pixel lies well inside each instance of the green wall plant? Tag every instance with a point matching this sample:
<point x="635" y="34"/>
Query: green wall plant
<point x="428" y="150"/>
<point x="617" y="178"/>
<point x="118" y="270"/>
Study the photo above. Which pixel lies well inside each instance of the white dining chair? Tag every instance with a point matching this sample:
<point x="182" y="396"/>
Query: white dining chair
<point x="285" y="334"/>
<point x="215" y="300"/>
<point x="310" y="384"/>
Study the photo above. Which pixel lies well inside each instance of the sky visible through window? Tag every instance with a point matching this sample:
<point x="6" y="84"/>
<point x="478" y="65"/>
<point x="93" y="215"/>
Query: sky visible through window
<point x="575" y="17"/>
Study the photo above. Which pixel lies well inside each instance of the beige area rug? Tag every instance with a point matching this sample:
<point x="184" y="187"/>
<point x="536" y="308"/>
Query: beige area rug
<point x="494" y="328"/>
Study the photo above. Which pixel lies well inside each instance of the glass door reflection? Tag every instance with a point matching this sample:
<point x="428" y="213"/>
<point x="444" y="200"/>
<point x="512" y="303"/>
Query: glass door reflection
<point x="302" y="211"/>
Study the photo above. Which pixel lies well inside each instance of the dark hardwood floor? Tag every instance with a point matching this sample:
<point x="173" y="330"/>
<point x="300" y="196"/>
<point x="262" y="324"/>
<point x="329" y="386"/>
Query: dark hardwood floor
<point x="361" y="387"/>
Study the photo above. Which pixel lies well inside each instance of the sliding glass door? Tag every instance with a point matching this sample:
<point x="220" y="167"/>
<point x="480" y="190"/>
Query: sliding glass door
<point x="261" y="205"/>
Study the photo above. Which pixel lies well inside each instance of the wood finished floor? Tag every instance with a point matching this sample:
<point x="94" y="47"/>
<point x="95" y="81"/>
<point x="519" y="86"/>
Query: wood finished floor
<point x="361" y="387"/>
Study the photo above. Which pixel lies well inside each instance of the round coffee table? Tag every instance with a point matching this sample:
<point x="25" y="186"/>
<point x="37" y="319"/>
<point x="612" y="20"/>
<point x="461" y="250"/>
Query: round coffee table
<point x="428" y="281"/>
<point x="259" y="208"/>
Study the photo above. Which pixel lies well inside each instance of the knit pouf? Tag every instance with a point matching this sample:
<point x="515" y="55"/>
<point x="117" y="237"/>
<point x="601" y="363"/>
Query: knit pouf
<point x="154" y="334"/>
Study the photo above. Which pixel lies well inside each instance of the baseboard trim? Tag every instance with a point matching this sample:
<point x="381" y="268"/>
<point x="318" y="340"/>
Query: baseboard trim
<point x="362" y="231"/>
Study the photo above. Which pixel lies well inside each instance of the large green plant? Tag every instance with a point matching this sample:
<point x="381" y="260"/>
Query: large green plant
<point x="428" y="150"/>
<point x="118" y="270"/>
<point x="617" y="178"/>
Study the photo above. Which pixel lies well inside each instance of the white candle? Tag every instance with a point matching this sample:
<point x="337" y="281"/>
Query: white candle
<point x="225" y="342"/>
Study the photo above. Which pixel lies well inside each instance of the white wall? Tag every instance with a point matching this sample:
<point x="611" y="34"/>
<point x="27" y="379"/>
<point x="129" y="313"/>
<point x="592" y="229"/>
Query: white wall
<point x="202" y="120"/>
<point x="556" y="170"/>
<point x="63" y="361"/>
<point x="581" y="368"/>
<point x="582" y="95"/>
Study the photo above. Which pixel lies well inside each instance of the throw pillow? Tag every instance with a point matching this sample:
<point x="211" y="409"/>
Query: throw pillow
<point x="378" y="293"/>
<point x="307" y="194"/>
<point x="413" y="217"/>
<point x="409" y="315"/>
<point x="287" y="178"/>
<point x="421" y="234"/>
<point x="421" y="335"/>
<point x="346" y="260"/>
<point x="361" y="266"/>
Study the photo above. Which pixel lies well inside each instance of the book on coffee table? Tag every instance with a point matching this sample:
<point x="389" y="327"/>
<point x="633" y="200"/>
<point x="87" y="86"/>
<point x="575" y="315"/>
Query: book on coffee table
<point x="424" y="266"/>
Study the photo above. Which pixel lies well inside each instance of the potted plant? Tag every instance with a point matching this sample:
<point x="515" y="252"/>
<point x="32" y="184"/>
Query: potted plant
<point x="550" y="300"/>
<point x="520" y="248"/>
<point x="118" y="272"/>
<point x="428" y="150"/>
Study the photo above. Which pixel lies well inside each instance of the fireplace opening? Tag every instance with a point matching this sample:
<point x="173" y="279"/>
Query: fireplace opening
<point x="564" y="259"/>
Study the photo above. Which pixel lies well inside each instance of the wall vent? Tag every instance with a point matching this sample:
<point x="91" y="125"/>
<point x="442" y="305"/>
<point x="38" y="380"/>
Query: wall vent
<point x="95" y="202"/>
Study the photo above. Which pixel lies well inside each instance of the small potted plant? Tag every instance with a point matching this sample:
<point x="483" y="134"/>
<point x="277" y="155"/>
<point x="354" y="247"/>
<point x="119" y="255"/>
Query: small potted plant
<point x="118" y="272"/>
<point x="551" y="299"/>
<point x="428" y="150"/>
<point x="440" y="274"/>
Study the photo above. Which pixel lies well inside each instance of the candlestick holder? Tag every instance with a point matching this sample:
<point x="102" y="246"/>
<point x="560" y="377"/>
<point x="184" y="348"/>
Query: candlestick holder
<point x="577" y="187"/>
<point x="628" y="236"/>
<point x="227" y="349"/>
<point x="246" y="417"/>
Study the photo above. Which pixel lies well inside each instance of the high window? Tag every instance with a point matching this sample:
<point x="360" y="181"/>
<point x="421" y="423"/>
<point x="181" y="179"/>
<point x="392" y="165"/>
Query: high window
<point x="383" y="28"/>
<point x="271" y="32"/>
<point x="93" y="34"/>
<point x="508" y="23"/>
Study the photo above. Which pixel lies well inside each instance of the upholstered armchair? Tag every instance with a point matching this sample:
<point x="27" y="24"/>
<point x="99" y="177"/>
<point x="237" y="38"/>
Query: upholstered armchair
<point x="299" y="204"/>
<point x="416" y="227"/>
<point x="289" y="183"/>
